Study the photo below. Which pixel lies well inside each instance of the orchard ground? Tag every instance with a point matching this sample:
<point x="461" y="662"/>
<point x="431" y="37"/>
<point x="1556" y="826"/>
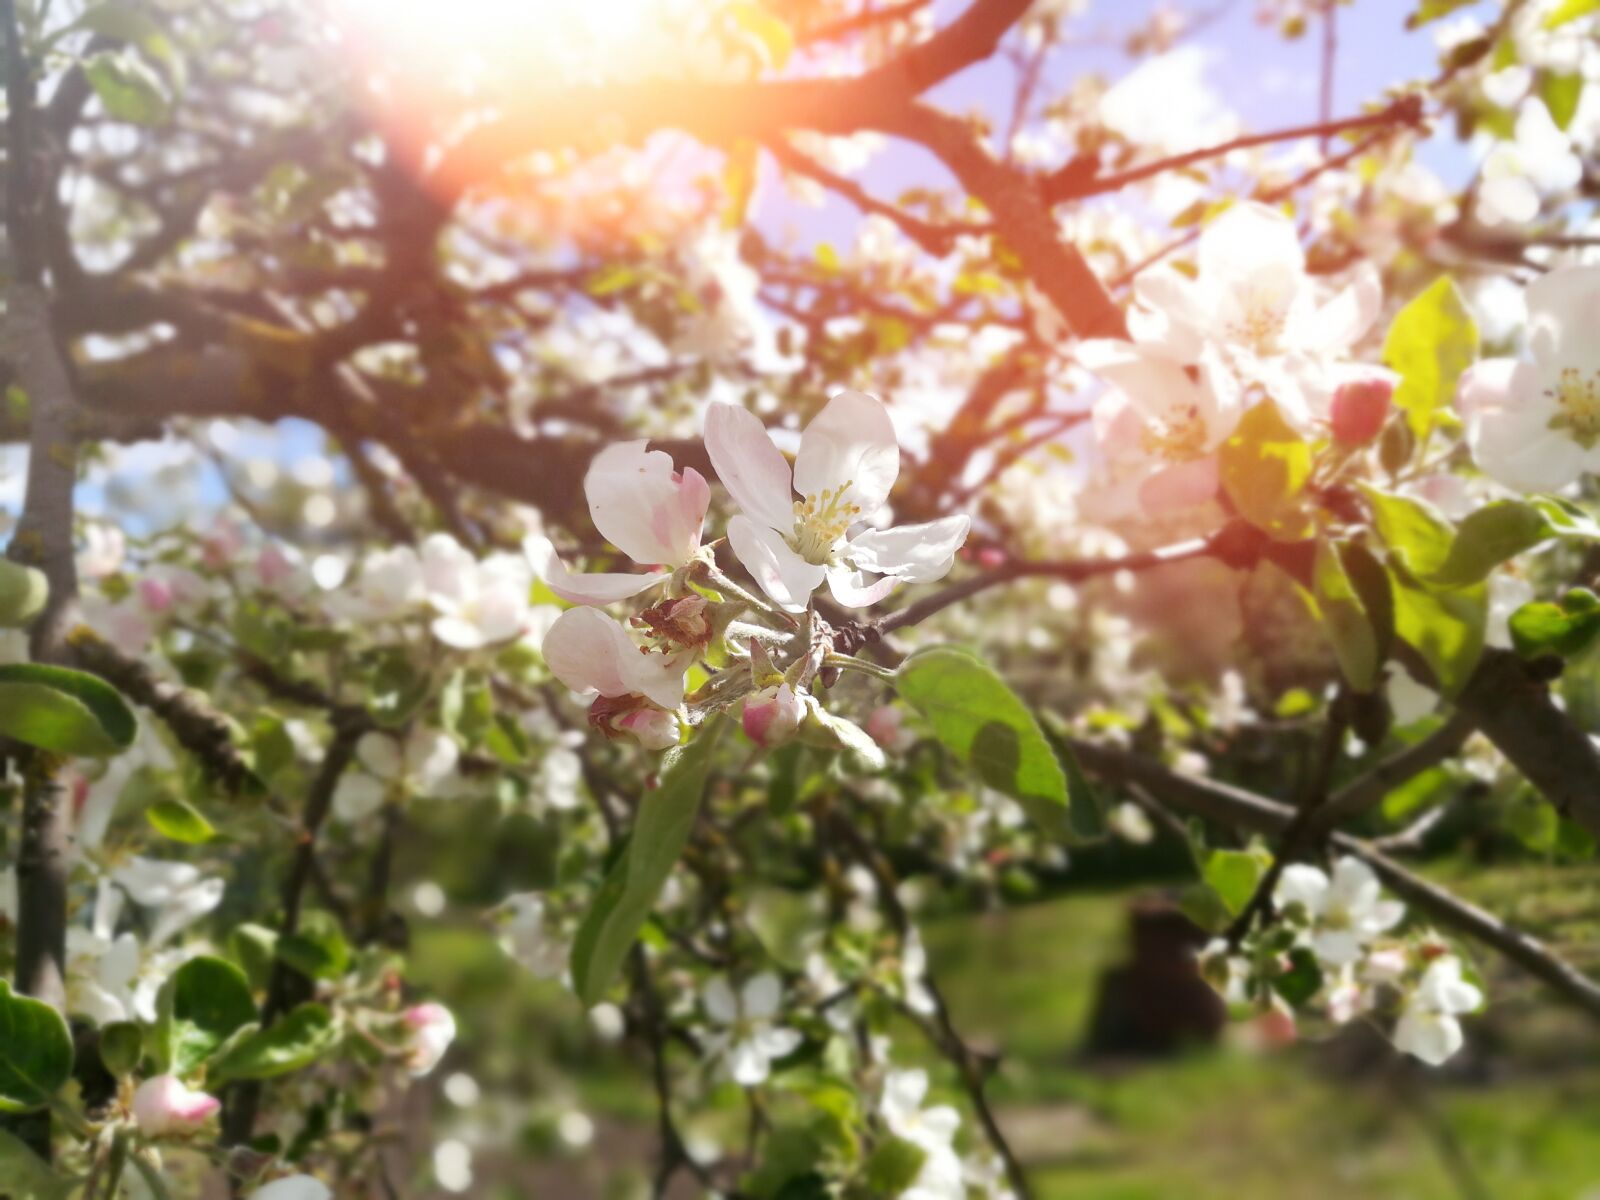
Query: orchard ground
<point x="1313" y="1120"/>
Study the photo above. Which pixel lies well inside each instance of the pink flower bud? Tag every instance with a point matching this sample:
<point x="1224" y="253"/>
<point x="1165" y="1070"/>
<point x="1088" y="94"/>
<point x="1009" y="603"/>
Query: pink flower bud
<point x="164" y="1106"/>
<point x="991" y="557"/>
<point x="885" y="725"/>
<point x="156" y="594"/>
<point x="772" y="715"/>
<point x="1276" y="1027"/>
<point x="655" y="729"/>
<point x="432" y="1029"/>
<point x="1359" y="410"/>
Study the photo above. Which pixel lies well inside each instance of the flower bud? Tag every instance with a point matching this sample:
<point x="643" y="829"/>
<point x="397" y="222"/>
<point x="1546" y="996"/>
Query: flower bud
<point x="886" y="726"/>
<point x="772" y="715"/>
<point x="432" y="1029"/>
<point x="655" y="729"/>
<point x="163" y="1105"/>
<point x="1359" y="410"/>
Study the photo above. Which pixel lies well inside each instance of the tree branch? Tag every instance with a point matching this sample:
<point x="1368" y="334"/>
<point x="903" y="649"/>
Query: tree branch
<point x="1247" y="811"/>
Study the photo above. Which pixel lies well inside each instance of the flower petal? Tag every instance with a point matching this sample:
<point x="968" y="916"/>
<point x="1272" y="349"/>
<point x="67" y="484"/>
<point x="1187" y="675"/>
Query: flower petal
<point x="786" y="577"/>
<point x="761" y="996"/>
<point x="850" y="441"/>
<point x="719" y="1001"/>
<point x="914" y="553"/>
<point x="1248" y="242"/>
<point x="597" y="588"/>
<point x="643" y="506"/>
<point x="851" y="589"/>
<point x="1183" y="485"/>
<point x="589" y="652"/>
<point x="1508" y="428"/>
<point x="752" y="469"/>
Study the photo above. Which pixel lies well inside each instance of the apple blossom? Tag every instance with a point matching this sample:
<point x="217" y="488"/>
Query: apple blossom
<point x="478" y="603"/>
<point x="179" y="892"/>
<point x="847" y="464"/>
<point x="1344" y="912"/>
<point x="293" y="1187"/>
<point x="163" y="1106"/>
<point x="1534" y="423"/>
<point x="1519" y="174"/>
<point x="430" y="1029"/>
<point x="749" y="1039"/>
<point x="590" y="652"/>
<point x="932" y="1130"/>
<point x="388" y="585"/>
<point x="643" y="506"/>
<point x="772" y="715"/>
<point x="1428" y="1028"/>
<point x="1257" y="310"/>
<point x="414" y="765"/>
<point x="1159" y="431"/>
<point x="525" y="935"/>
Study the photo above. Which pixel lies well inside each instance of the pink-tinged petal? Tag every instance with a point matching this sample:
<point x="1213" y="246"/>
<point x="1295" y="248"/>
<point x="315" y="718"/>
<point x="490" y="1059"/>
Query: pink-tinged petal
<point x="598" y="588"/>
<point x="752" y="469"/>
<point x="655" y="729"/>
<point x="656" y="677"/>
<point x="783" y="575"/>
<point x="163" y="1105"/>
<point x="1183" y="485"/>
<point x="912" y="553"/>
<point x="1157" y="386"/>
<point x="851" y="589"/>
<point x="643" y="506"/>
<point x="589" y="652"/>
<point x="850" y="441"/>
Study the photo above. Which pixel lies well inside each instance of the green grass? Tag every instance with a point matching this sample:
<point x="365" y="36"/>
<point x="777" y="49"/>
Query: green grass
<point x="1222" y="1123"/>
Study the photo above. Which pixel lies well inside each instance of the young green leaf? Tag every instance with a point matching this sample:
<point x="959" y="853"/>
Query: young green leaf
<point x="1566" y="628"/>
<point x="1496" y="532"/>
<point x="1445" y="627"/>
<point x="1432" y="341"/>
<point x="660" y="832"/>
<point x="204" y="1002"/>
<point x="63" y="711"/>
<point x="986" y="725"/>
<point x="35" y="1052"/>
<point x="180" y="821"/>
<point x="26" y="1175"/>
<point x="1265" y="465"/>
<point x="294" y="1041"/>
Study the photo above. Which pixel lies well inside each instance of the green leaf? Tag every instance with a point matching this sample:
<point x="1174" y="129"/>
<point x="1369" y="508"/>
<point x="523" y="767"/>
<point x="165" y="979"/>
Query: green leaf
<point x="255" y="947"/>
<point x="1570" y="11"/>
<point x="121" y="1047"/>
<point x="294" y="1041"/>
<point x="1566" y="628"/>
<point x="35" y="1052"/>
<point x="1446" y="628"/>
<point x="318" y="950"/>
<point x="1265" y="465"/>
<point x="1496" y="532"/>
<point x="1432" y="10"/>
<point x="1561" y="94"/>
<point x="1302" y="980"/>
<point x="1352" y="632"/>
<point x="985" y="724"/>
<point x="894" y="1166"/>
<point x="660" y="832"/>
<point x="180" y="821"/>
<point x="63" y="711"/>
<point x="1415" y="532"/>
<point x="23" y="592"/>
<point x="199" y="1008"/>
<point x="1086" y="807"/>
<point x="1432" y="340"/>
<point x="128" y="89"/>
<point x="740" y="172"/>
<point x="1234" y="876"/>
<point x="26" y="1175"/>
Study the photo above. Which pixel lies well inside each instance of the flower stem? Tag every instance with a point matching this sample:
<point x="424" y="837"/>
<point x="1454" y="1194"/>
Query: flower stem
<point x="850" y="662"/>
